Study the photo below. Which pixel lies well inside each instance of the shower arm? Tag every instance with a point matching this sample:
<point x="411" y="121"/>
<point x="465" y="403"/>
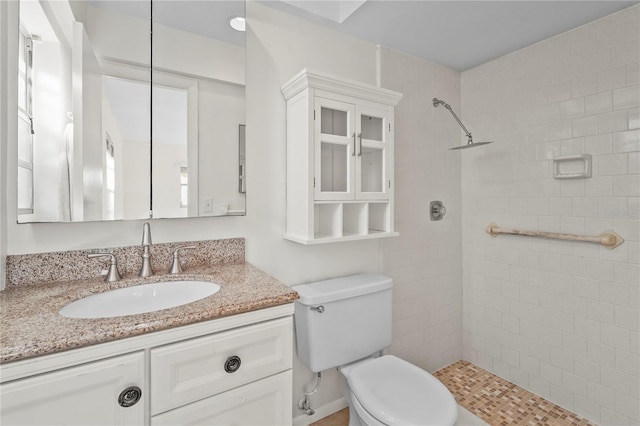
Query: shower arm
<point x="437" y="102"/>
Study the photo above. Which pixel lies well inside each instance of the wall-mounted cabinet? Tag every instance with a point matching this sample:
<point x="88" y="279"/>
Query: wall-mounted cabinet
<point x="339" y="159"/>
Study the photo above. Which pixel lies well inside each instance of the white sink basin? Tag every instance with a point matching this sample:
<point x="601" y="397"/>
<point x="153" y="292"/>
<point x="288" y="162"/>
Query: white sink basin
<point x="139" y="299"/>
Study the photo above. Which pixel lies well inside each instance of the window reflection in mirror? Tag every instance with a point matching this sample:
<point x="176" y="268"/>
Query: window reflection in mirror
<point x="71" y="152"/>
<point x="85" y="110"/>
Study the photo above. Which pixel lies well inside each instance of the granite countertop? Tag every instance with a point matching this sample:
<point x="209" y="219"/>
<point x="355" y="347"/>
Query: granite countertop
<point x="31" y="326"/>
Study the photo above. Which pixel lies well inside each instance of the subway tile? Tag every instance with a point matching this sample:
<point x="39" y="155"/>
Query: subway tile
<point x="574" y="383"/>
<point x="597" y="62"/>
<point x="627" y="97"/>
<point x="628" y="318"/>
<point x="599" y="186"/>
<point x="614" y="164"/>
<point x="584" y="86"/>
<point x="612" y="122"/>
<point x="617" y="337"/>
<point x="624" y="54"/>
<point x="632" y="74"/>
<point x="628" y="362"/>
<point x="585" y="206"/>
<point x="629" y="407"/>
<point x="574" y="345"/>
<point x="598" y="144"/>
<point x="585" y="126"/>
<point x="608" y="417"/>
<point x="574" y="108"/>
<point x="626" y="186"/>
<point x="633" y="118"/>
<point x="601" y="312"/>
<point x="598" y="103"/>
<point x="628" y="141"/>
<point x="562" y="130"/>
<point x="599" y="269"/>
<point x="587" y="329"/>
<point x="611" y="36"/>
<point x="602" y="354"/>
<point x="611" y="79"/>
<point x="584" y="407"/>
<point x="601" y="395"/>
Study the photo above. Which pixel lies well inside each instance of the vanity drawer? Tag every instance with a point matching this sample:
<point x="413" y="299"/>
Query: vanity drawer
<point x="195" y="369"/>
<point x="265" y="402"/>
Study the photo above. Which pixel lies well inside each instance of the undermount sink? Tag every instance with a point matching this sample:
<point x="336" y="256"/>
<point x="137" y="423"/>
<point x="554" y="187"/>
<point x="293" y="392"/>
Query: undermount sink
<point x="139" y="299"/>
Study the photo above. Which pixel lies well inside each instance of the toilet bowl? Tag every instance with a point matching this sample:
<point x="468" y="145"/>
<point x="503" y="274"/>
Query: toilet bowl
<point x="342" y="323"/>
<point x="390" y="391"/>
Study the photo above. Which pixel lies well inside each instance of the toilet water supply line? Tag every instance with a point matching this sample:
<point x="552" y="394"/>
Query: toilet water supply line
<point x="304" y="403"/>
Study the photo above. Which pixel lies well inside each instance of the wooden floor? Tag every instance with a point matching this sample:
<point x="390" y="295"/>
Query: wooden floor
<point x="490" y="398"/>
<point x="341" y="418"/>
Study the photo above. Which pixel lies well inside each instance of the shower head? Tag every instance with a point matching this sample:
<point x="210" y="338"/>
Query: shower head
<point x="470" y="144"/>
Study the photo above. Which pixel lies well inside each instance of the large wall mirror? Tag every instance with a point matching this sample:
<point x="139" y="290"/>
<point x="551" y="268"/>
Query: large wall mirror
<point x="129" y="110"/>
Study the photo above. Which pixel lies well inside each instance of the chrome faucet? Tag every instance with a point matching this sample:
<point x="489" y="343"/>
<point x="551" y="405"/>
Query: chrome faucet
<point x="112" y="274"/>
<point x="145" y="270"/>
<point x="176" y="268"/>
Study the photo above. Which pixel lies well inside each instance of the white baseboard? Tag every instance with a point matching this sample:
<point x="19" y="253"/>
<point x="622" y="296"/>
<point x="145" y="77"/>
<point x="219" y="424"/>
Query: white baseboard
<point x="320" y="412"/>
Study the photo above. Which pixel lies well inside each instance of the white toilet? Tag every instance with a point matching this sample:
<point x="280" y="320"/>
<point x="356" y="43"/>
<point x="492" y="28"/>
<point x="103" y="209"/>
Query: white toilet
<point x="344" y="323"/>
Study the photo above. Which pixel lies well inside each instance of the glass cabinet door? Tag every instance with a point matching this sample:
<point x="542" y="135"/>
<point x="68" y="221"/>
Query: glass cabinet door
<point x="372" y="153"/>
<point x="334" y="150"/>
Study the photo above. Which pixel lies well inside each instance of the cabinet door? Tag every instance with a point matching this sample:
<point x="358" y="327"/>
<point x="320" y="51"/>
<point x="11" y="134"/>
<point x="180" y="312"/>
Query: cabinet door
<point x="334" y="150"/>
<point x="265" y="402"/>
<point x="373" y="153"/>
<point x="83" y="395"/>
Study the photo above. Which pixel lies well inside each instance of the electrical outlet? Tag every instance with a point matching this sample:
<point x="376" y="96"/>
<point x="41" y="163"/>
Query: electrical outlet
<point x="207" y="205"/>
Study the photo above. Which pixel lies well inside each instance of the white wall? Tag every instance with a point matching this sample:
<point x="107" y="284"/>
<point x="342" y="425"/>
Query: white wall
<point x="425" y="261"/>
<point x="278" y="47"/>
<point x="8" y="113"/>
<point x="558" y="318"/>
<point x="168" y="158"/>
<point x="221" y="110"/>
<point x="50" y="117"/>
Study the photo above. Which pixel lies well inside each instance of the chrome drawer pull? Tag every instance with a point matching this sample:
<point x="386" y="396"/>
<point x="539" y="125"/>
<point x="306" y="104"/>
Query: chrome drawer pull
<point x="130" y="396"/>
<point x="232" y="364"/>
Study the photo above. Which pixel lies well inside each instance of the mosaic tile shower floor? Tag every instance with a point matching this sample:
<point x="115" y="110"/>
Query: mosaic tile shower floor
<point x="492" y="399"/>
<point x="500" y="402"/>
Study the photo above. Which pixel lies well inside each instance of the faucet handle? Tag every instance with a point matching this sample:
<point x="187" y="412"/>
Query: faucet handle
<point x="175" y="263"/>
<point x="112" y="273"/>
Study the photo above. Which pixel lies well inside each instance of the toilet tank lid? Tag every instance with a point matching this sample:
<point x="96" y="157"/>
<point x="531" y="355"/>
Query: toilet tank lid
<point x="341" y="288"/>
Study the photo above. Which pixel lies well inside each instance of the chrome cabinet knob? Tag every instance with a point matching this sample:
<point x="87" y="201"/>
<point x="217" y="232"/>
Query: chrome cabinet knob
<point x="130" y="396"/>
<point x="232" y="364"/>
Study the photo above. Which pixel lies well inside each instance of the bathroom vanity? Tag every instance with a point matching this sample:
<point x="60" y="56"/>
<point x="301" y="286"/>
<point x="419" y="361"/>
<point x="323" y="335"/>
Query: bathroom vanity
<point x="224" y="359"/>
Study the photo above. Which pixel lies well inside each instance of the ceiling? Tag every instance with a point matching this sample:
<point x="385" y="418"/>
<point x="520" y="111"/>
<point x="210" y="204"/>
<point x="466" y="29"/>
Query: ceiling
<point x="456" y="34"/>
<point x="461" y="34"/>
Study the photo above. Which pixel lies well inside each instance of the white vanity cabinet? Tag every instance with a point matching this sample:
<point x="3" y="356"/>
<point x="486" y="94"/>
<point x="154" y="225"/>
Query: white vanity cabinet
<point x="192" y="370"/>
<point x="232" y="370"/>
<point x="83" y="395"/>
<point x="339" y="159"/>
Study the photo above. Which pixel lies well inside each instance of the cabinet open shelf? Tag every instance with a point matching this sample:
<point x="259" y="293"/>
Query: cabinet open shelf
<point x="349" y="220"/>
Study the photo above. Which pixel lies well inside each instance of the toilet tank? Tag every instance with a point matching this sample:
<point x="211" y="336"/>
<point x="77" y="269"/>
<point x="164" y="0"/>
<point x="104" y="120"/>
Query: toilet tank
<point x="342" y="320"/>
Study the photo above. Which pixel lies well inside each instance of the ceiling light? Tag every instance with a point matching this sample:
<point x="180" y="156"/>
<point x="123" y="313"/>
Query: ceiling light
<point x="237" y="23"/>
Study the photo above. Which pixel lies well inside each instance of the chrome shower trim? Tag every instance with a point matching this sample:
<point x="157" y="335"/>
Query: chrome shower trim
<point x="470" y="143"/>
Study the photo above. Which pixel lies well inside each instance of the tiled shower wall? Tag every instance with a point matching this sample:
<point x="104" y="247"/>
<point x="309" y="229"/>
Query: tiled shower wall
<point x="425" y="261"/>
<point x="558" y="318"/>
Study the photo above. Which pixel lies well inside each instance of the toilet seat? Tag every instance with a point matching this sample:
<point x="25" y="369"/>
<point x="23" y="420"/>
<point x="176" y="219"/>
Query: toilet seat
<point x="395" y="392"/>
